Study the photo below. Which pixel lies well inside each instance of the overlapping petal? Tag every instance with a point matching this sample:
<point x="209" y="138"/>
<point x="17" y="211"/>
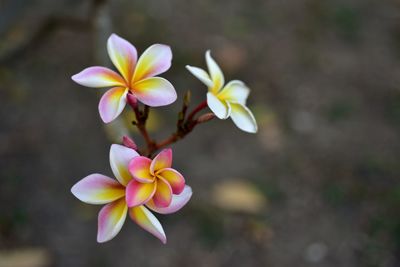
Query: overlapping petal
<point x="157" y="194"/>
<point x="155" y="60"/>
<point x="139" y="168"/>
<point x="139" y="193"/>
<point x="163" y="194"/>
<point x="120" y="156"/>
<point x="145" y="219"/>
<point x="201" y="74"/>
<point x="112" y="103"/>
<point x="235" y="91"/>
<point x="111" y="219"/>
<point x="123" y="54"/>
<point x="221" y="109"/>
<point x="97" y="189"/>
<point x="136" y="77"/>
<point x="216" y="74"/>
<point x="174" y="178"/>
<point x="98" y="77"/>
<point x="161" y="161"/>
<point x="177" y="202"/>
<point x="243" y="118"/>
<point x="154" y="92"/>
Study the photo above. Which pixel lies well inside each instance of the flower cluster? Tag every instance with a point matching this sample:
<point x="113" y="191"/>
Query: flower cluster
<point x="143" y="184"/>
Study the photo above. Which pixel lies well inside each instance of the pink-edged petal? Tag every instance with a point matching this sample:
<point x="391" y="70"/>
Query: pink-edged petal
<point x="235" y="91"/>
<point x="243" y="118"/>
<point x="139" y="193"/>
<point x="98" y="77"/>
<point x="201" y="75"/>
<point x="120" y="156"/>
<point x="221" y="109"/>
<point x="163" y="195"/>
<point x="161" y="161"/>
<point x="154" y="92"/>
<point x="155" y="60"/>
<point x="174" y="178"/>
<point x="178" y="201"/>
<point x="112" y="103"/>
<point x="123" y="55"/>
<point x="97" y="189"/>
<point x="216" y="74"/>
<point x="139" y="168"/>
<point x="145" y="219"/>
<point x="111" y="219"/>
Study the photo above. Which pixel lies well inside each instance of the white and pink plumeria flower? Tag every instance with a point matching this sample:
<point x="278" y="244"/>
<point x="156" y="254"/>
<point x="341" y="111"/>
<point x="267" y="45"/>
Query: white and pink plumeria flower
<point x="136" y="77"/>
<point x="141" y="184"/>
<point x="226" y="100"/>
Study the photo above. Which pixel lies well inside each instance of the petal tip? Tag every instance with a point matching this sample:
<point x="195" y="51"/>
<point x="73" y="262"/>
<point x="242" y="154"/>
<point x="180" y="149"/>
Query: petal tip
<point x="104" y="118"/>
<point x="75" y="77"/>
<point x="113" y="36"/>
<point x="101" y="239"/>
<point x="255" y="130"/>
<point x="74" y="190"/>
<point x="168" y="151"/>
<point x="78" y="78"/>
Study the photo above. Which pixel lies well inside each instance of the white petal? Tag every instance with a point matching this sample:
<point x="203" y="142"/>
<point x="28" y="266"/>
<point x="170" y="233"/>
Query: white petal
<point x="112" y="103"/>
<point x="215" y="72"/>
<point x="120" y="156"/>
<point x="235" y="91"/>
<point x="123" y="54"/>
<point x="201" y="75"/>
<point x="220" y="108"/>
<point x="243" y="118"/>
<point x="98" y="189"/>
<point x="111" y="219"/>
<point x="178" y="202"/>
<point x="145" y="219"/>
<point x="155" y="60"/>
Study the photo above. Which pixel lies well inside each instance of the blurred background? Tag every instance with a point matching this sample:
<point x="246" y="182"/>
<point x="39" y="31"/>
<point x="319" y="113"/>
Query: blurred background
<point x="318" y="185"/>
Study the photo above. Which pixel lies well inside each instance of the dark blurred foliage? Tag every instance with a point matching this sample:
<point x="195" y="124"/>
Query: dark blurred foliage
<point x="317" y="186"/>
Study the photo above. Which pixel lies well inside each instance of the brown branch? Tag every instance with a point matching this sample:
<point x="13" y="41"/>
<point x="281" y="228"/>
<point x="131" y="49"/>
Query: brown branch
<point x="183" y="129"/>
<point x="201" y="106"/>
<point x="140" y="123"/>
<point x="184" y="126"/>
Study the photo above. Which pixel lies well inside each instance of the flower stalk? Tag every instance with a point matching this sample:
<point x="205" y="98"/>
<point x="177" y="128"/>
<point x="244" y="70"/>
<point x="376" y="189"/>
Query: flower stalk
<point x="184" y="125"/>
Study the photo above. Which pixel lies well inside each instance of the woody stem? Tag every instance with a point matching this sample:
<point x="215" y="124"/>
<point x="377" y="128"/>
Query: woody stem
<point x="182" y="130"/>
<point x="141" y="118"/>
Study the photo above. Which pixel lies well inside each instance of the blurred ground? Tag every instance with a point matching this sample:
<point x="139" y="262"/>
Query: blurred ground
<point x="323" y="171"/>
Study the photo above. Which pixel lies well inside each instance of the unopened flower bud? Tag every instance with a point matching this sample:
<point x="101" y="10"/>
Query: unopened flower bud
<point x="186" y="98"/>
<point x="128" y="142"/>
<point x="131" y="99"/>
<point x="205" y="117"/>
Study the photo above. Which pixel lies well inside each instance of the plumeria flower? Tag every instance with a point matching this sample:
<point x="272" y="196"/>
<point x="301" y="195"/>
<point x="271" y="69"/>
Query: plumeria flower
<point x="226" y="100"/>
<point x="100" y="189"/>
<point x="154" y="181"/>
<point x="136" y="77"/>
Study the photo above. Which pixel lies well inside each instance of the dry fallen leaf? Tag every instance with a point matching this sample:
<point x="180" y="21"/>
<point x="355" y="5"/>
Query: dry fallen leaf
<point x="27" y="257"/>
<point x="239" y="196"/>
